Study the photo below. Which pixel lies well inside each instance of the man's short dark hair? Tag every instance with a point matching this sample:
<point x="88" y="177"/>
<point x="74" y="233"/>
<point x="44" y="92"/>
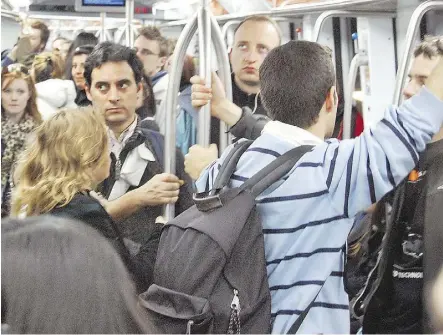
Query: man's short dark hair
<point x="111" y="52"/>
<point x="431" y="47"/>
<point x="261" y="18"/>
<point x="295" y="79"/>
<point x="44" y="31"/>
<point x="152" y="33"/>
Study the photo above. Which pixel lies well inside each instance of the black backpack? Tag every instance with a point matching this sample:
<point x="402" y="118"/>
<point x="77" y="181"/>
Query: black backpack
<point x="210" y="274"/>
<point x="368" y="305"/>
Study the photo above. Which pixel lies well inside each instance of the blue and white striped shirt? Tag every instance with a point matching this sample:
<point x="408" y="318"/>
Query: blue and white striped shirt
<point x="308" y="214"/>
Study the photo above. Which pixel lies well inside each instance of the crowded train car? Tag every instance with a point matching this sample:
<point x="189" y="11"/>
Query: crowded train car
<point x="222" y="166"/>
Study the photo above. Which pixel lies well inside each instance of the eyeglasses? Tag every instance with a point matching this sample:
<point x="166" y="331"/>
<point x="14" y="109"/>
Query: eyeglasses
<point x="17" y="67"/>
<point x="145" y="52"/>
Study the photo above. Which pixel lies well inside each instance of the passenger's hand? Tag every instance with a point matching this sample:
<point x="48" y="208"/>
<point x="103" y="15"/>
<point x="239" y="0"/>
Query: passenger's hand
<point x="161" y="189"/>
<point x="100" y="198"/>
<point x="161" y="220"/>
<point x="221" y="107"/>
<point x="22" y="50"/>
<point x="201" y="94"/>
<point x="198" y="158"/>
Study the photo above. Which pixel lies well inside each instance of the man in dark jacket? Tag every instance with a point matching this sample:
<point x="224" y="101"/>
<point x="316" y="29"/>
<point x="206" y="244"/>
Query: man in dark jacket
<point x="136" y="188"/>
<point x="402" y="311"/>
<point x="254" y="37"/>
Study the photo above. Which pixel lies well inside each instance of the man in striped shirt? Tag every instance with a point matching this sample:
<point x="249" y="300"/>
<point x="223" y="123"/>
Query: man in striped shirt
<point x="307" y="215"/>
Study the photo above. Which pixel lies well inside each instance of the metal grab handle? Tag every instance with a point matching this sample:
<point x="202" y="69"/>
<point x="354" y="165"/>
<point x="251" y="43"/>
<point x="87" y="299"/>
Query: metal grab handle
<point x="219" y="40"/>
<point x="413" y="27"/>
<point x="319" y="23"/>
<point x="226" y="27"/>
<point x="171" y="102"/>
<point x="320" y="7"/>
<point x="357" y="61"/>
<point x="174" y="86"/>
<point x="204" y="42"/>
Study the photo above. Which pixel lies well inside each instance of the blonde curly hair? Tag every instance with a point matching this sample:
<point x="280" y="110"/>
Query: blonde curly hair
<point x="59" y="160"/>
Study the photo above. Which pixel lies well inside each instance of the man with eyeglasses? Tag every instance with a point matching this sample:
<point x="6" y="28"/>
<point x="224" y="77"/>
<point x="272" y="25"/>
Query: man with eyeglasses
<point x="153" y="51"/>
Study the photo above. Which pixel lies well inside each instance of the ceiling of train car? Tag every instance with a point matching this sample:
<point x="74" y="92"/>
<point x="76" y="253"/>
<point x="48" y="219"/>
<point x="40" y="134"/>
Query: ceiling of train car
<point x="70" y="2"/>
<point x="388" y="4"/>
<point x="60" y="6"/>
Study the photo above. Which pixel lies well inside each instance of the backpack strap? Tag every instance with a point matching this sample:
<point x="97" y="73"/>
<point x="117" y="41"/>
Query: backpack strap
<point x="274" y="171"/>
<point x="229" y="165"/>
<point x="157" y="144"/>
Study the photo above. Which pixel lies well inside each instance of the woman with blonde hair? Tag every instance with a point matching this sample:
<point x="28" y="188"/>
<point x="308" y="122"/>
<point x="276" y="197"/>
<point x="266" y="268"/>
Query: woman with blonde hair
<point x="67" y="158"/>
<point x="53" y="92"/>
<point x="19" y="116"/>
<point x="47" y="65"/>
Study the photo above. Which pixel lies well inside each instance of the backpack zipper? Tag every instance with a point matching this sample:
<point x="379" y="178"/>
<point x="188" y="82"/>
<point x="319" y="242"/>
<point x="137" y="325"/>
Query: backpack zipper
<point x="188" y="327"/>
<point x="234" y="320"/>
<point x="235" y="304"/>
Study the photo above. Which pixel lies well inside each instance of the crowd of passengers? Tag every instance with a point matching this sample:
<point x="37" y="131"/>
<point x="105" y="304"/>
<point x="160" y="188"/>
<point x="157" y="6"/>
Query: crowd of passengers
<point x="83" y="187"/>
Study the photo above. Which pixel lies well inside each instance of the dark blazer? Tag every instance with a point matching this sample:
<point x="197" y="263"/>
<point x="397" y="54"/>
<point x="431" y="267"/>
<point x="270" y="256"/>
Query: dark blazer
<point x="140" y="227"/>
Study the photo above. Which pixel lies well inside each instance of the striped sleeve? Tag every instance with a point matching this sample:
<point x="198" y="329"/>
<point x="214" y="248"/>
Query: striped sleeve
<point x="359" y="172"/>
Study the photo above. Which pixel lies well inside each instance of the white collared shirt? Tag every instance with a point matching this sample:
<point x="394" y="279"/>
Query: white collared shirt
<point x="291" y="134"/>
<point x="117" y="145"/>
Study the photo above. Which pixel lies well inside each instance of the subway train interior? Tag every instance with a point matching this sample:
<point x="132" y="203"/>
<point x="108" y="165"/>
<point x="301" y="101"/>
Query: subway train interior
<point x="222" y="166"/>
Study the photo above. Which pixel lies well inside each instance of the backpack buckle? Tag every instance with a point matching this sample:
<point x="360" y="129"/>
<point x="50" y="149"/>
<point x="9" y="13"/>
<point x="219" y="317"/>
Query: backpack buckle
<point x="205" y="202"/>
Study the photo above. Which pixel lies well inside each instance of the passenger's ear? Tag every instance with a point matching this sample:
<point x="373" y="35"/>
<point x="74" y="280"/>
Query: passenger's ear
<point x="331" y="99"/>
<point x="139" y="87"/>
<point x="88" y="92"/>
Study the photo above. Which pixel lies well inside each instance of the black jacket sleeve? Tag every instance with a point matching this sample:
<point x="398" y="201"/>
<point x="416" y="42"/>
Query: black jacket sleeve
<point x="250" y="125"/>
<point x="433" y="237"/>
<point x="185" y="198"/>
<point x="433" y="254"/>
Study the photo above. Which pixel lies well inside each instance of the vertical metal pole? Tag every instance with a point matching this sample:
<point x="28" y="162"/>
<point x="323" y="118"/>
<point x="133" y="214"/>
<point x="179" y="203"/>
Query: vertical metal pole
<point x="219" y="41"/>
<point x="102" y="27"/>
<point x="131" y="15"/>
<point x="345" y="53"/>
<point x="204" y="41"/>
<point x="129" y="25"/>
<point x="128" y="22"/>
<point x="357" y="61"/>
<point x="171" y="102"/>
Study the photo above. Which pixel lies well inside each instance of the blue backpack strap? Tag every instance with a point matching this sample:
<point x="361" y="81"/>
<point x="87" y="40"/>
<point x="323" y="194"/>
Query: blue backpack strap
<point x="157" y="142"/>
